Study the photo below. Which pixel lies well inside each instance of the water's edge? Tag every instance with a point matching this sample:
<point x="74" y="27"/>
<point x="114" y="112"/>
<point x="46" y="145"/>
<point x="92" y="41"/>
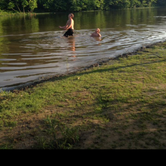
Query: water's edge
<point x="99" y="63"/>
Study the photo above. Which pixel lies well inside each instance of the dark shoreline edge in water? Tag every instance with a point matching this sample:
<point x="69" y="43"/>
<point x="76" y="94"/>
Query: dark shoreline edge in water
<point x="99" y="63"/>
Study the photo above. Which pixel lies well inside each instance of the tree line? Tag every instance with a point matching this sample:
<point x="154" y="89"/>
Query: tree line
<point x="74" y="5"/>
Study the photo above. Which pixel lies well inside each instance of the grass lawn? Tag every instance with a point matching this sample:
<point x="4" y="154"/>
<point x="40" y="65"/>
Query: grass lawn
<point x="118" y="105"/>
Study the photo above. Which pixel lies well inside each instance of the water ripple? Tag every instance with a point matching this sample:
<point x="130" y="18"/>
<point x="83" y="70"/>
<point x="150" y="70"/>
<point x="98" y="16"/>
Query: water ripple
<point x="46" y="53"/>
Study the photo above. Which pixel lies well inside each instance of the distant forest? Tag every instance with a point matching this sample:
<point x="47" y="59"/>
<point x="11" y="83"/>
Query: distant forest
<point x="74" y="5"/>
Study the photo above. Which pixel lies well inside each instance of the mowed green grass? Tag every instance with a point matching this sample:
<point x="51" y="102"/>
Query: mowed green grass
<point x="121" y="104"/>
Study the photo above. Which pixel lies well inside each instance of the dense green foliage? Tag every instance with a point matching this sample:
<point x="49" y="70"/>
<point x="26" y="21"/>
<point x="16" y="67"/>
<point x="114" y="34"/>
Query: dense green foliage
<point x="74" y="5"/>
<point x="18" y="5"/>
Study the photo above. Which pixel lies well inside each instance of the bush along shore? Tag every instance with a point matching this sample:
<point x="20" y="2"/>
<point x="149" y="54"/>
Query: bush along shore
<point x="14" y="14"/>
<point x="118" y="105"/>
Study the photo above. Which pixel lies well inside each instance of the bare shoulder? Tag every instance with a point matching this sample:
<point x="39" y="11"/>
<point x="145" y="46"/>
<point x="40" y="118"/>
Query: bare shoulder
<point x="68" y="21"/>
<point x="93" y="35"/>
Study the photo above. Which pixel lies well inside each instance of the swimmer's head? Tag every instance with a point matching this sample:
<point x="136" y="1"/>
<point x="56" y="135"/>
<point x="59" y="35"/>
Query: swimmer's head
<point x="71" y="15"/>
<point x="97" y="30"/>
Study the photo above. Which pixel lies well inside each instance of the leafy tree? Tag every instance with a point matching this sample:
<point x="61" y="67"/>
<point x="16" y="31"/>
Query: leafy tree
<point x="3" y="4"/>
<point x="25" y="3"/>
<point x="135" y="3"/>
<point x="18" y="5"/>
<point x="55" y="5"/>
<point x="74" y="5"/>
<point x="32" y="5"/>
<point x="161" y="2"/>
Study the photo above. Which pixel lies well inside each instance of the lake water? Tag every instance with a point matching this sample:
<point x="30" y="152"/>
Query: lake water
<point x="32" y="47"/>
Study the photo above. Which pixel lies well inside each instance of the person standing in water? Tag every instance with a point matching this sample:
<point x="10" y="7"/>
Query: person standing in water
<point x="96" y="33"/>
<point x="69" y="26"/>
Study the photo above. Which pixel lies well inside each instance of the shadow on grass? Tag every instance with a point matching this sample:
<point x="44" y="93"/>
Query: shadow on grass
<point x="116" y="123"/>
<point x="130" y="125"/>
<point x="100" y="70"/>
<point x="110" y="124"/>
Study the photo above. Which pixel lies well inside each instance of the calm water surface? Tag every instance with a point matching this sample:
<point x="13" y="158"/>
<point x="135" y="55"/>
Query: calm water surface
<point x="32" y="48"/>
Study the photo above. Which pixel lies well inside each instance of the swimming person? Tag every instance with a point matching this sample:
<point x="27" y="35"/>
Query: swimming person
<point x="69" y="26"/>
<point x="96" y="33"/>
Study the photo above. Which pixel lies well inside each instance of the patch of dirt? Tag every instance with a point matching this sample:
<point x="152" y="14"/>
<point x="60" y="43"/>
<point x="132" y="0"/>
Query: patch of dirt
<point x="23" y="135"/>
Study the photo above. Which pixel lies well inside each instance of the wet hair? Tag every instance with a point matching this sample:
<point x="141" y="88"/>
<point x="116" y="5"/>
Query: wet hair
<point x="72" y="15"/>
<point x="98" y="29"/>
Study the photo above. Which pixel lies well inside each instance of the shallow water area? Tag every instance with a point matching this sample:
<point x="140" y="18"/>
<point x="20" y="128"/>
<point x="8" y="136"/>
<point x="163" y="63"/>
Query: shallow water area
<point x="33" y="48"/>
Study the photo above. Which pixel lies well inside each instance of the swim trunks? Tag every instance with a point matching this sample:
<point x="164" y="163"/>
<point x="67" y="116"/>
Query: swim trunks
<point x="69" y="32"/>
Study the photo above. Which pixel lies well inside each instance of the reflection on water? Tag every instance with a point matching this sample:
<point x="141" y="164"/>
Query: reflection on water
<point x="34" y="48"/>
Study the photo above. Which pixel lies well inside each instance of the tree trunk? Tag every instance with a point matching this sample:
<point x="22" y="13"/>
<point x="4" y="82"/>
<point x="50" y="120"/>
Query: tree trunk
<point x="14" y="10"/>
<point x="18" y="8"/>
